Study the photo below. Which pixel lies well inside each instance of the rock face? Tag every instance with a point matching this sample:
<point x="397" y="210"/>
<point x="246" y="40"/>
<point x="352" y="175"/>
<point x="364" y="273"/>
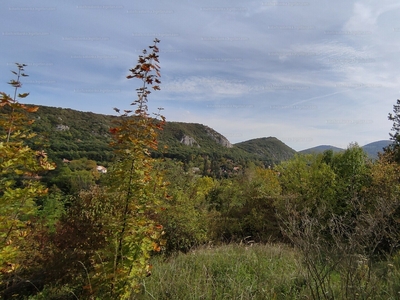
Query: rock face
<point x="61" y="127"/>
<point x="219" y="138"/>
<point x="189" y="141"/>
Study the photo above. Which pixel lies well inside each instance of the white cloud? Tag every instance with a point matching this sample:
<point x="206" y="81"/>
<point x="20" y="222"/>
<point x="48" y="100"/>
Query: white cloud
<point x="365" y="15"/>
<point x="207" y="88"/>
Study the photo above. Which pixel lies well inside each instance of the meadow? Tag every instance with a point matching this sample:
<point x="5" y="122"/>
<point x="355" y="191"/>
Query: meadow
<point x="252" y="271"/>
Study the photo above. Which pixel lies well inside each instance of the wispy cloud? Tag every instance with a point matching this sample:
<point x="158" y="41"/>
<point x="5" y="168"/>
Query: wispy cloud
<point x="306" y="72"/>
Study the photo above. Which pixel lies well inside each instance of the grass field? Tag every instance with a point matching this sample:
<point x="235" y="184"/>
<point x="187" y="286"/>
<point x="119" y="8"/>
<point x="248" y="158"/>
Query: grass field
<point x="249" y="272"/>
<point x="227" y="272"/>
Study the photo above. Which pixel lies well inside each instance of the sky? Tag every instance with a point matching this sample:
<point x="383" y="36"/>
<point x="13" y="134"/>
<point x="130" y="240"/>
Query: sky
<point x="309" y="73"/>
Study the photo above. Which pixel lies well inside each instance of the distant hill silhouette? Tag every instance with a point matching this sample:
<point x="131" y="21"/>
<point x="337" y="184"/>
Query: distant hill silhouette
<point x="320" y="149"/>
<point x="371" y="149"/>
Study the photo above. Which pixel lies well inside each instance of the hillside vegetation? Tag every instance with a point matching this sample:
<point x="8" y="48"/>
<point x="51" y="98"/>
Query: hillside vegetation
<point x="72" y="134"/>
<point x="269" y="148"/>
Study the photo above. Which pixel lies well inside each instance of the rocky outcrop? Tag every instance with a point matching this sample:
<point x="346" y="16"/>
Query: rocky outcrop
<point x="61" y="127"/>
<point x="219" y="138"/>
<point x="189" y="141"/>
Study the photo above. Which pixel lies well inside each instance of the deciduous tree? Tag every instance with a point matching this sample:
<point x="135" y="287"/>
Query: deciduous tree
<point x="20" y="168"/>
<point x="134" y="190"/>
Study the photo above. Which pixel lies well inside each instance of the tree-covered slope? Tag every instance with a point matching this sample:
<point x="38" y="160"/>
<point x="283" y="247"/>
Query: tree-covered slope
<point x="372" y="149"/>
<point x="267" y="148"/>
<point x="320" y="149"/>
<point x="72" y="134"/>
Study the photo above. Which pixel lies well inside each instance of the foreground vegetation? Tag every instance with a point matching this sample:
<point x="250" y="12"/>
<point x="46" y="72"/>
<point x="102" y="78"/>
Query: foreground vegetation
<point x="247" y="271"/>
<point x="323" y="226"/>
<point x="107" y="231"/>
<point x="254" y="271"/>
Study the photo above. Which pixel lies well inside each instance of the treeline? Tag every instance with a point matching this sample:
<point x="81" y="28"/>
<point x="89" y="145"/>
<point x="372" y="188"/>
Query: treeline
<point x="259" y="201"/>
<point x="340" y="212"/>
<point x="253" y="203"/>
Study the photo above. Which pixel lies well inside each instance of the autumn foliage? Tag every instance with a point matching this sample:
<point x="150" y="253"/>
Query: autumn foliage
<point x="20" y="169"/>
<point x="134" y="191"/>
<point x="108" y="232"/>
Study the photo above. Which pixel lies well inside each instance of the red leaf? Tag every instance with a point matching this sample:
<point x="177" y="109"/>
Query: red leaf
<point x="114" y="130"/>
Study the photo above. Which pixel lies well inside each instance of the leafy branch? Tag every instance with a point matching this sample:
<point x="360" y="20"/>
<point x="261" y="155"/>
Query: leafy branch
<point x="135" y="190"/>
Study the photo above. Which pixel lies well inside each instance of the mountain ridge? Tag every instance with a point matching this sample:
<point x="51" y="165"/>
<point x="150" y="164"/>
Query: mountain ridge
<point x="73" y="134"/>
<point x="371" y="149"/>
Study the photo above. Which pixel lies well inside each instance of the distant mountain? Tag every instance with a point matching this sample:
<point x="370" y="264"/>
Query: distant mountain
<point x="72" y="134"/>
<point x="267" y="148"/>
<point x="192" y="135"/>
<point x="320" y="149"/>
<point x="372" y="149"/>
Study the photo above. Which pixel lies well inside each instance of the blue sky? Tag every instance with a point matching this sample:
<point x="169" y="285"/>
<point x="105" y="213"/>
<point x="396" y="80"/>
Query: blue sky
<point x="307" y="72"/>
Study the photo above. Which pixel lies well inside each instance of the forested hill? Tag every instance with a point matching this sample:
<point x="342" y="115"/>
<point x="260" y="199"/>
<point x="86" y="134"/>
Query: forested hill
<point x="74" y="134"/>
<point x="370" y="149"/>
<point x="269" y="147"/>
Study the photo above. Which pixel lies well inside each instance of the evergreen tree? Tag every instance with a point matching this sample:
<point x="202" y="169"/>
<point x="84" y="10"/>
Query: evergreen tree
<point x="394" y="149"/>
